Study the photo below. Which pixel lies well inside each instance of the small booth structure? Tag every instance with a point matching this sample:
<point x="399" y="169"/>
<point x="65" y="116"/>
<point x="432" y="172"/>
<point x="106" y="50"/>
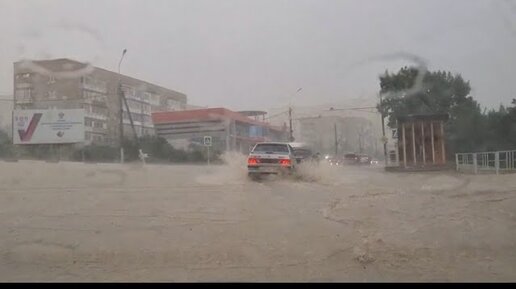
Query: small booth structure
<point x="421" y="141"/>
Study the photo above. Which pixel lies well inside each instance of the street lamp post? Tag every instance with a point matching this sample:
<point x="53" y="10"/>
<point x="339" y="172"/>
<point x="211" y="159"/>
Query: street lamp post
<point x="119" y="93"/>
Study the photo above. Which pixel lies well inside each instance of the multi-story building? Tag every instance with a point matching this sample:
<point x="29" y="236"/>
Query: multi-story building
<point x="67" y="84"/>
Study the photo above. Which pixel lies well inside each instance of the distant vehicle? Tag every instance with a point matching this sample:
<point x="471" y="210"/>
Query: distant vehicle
<point x="351" y="159"/>
<point x="302" y="152"/>
<point x="364" y="159"/>
<point x="335" y="161"/>
<point x="271" y="158"/>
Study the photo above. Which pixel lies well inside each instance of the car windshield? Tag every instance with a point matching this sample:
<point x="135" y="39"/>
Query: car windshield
<point x="271" y="148"/>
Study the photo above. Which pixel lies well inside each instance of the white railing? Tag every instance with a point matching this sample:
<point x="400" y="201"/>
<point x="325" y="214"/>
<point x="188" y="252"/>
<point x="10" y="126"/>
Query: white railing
<point x="501" y="161"/>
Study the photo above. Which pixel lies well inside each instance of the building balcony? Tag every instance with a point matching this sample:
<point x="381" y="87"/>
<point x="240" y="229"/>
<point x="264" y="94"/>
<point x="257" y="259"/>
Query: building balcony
<point x="137" y="111"/>
<point x="98" y="130"/>
<point x="138" y="123"/>
<point x="137" y="99"/>
<point x="24" y="100"/>
<point x="23" y="85"/>
<point x="95" y="116"/>
<point x="100" y="88"/>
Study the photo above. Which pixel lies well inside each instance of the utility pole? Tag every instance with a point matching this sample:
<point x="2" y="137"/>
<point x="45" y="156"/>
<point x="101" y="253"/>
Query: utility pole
<point x="141" y="154"/>
<point x="384" y="139"/>
<point x="336" y="140"/>
<point x="120" y="97"/>
<point x="121" y="124"/>
<point x="141" y="120"/>
<point x="291" y="131"/>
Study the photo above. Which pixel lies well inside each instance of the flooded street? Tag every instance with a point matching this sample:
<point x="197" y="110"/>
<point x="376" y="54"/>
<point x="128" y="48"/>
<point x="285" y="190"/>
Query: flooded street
<point x="92" y="222"/>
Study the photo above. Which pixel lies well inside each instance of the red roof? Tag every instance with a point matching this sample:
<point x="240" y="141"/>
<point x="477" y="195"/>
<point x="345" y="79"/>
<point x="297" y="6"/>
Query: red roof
<point x="218" y="113"/>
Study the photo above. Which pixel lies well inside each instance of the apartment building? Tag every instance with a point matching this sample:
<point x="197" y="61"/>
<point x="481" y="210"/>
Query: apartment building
<point x="67" y="84"/>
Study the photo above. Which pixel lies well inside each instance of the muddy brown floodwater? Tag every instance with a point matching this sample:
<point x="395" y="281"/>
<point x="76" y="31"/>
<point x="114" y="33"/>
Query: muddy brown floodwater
<point x="107" y="222"/>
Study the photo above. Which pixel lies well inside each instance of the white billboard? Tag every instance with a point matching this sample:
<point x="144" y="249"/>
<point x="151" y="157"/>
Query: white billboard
<point x="49" y="126"/>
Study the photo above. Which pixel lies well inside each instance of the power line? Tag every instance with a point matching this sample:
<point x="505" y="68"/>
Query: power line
<point x="276" y="115"/>
<point x="349" y="108"/>
<point x="361" y="109"/>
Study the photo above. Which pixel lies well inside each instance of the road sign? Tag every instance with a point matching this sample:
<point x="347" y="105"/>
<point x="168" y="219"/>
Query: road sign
<point x="395" y="133"/>
<point x="207" y="141"/>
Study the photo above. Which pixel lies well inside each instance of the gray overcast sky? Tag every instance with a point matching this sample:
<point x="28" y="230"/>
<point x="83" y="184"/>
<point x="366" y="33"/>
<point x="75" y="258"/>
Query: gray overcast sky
<point x="253" y="54"/>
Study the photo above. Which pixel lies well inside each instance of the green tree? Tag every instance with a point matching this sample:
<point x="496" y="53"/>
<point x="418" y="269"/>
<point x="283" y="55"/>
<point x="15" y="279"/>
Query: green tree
<point x="502" y="128"/>
<point x="438" y="92"/>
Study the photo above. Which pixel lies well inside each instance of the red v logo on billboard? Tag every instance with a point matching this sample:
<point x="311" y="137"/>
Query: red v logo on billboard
<point x="27" y="134"/>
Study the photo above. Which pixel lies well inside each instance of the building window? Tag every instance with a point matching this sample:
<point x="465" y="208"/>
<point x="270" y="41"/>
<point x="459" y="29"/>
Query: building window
<point x="88" y="122"/>
<point x="151" y="98"/>
<point x="52" y="94"/>
<point x="94" y="96"/>
<point x="98" y="124"/>
<point x="23" y="76"/>
<point x="87" y="108"/>
<point x="154" y="99"/>
<point x="99" y="110"/>
<point x="173" y="104"/>
<point x="128" y="91"/>
<point x="89" y="82"/>
<point x="23" y="95"/>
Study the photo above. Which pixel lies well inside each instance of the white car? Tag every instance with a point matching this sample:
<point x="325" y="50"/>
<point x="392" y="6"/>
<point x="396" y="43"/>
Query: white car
<point x="271" y="158"/>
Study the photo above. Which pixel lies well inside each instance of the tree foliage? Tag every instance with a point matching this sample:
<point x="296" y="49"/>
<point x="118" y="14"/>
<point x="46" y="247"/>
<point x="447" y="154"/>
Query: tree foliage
<point x="469" y="128"/>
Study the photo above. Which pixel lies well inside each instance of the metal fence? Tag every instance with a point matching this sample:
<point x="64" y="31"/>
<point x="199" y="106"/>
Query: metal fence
<point x="497" y="162"/>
